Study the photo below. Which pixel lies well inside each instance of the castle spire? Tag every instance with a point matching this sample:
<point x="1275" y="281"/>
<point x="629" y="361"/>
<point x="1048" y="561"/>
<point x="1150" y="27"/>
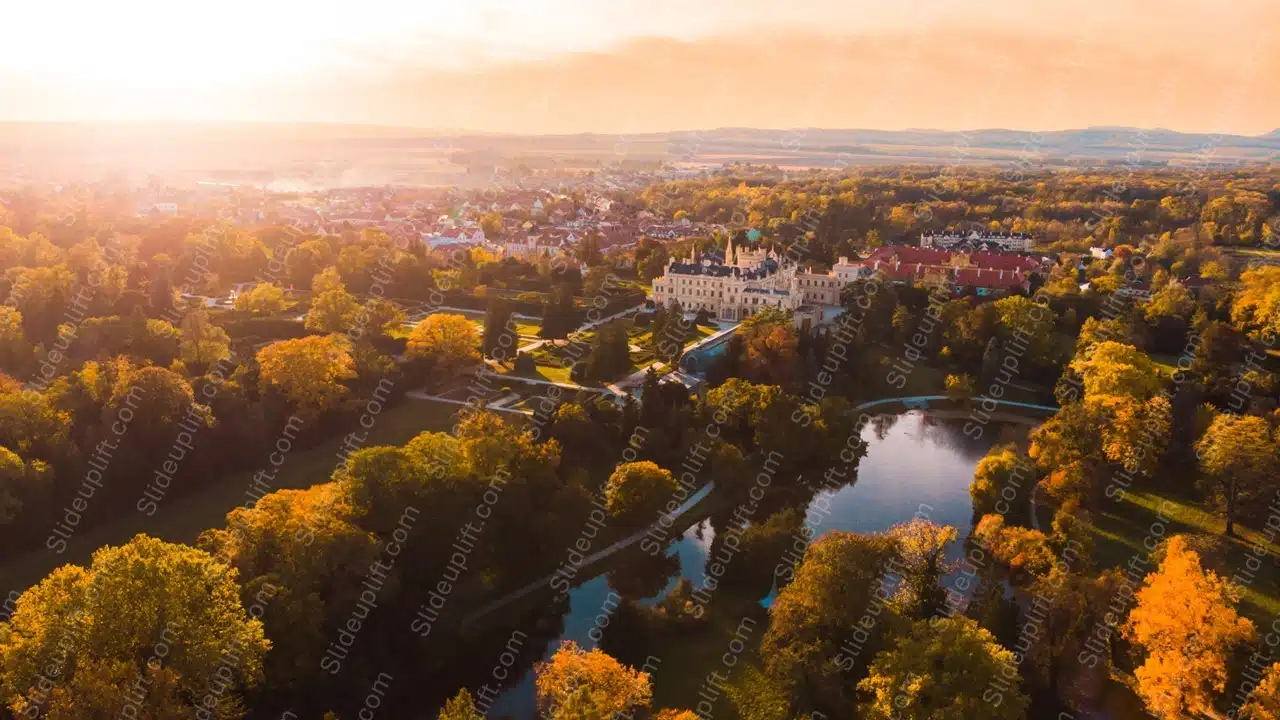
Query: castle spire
<point x="728" y="252"/>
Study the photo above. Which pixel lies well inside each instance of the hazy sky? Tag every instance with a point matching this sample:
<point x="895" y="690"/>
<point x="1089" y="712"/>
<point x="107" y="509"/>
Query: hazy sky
<point x="646" y="65"/>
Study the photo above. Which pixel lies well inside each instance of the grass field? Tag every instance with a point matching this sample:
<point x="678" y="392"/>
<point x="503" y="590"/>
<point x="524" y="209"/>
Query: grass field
<point x="526" y="328"/>
<point x="1121" y="528"/>
<point x="183" y="519"/>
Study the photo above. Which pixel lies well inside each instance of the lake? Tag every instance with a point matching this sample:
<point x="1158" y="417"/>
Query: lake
<point x="915" y="463"/>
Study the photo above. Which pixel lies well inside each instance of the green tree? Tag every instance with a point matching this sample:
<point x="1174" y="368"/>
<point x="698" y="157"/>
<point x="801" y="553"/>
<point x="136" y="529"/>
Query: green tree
<point x="946" y="668"/>
<point x="817" y="646"/>
<point x="130" y="599"/>
<point x="499" y="336"/>
<point x="1239" y="463"/>
<point x="637" y="492"/>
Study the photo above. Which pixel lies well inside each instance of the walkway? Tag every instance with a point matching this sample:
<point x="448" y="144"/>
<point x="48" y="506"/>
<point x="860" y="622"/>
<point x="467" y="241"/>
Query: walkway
<point x="423" y="395"/>
<point x="922" y="401"/>
<point x="628" y="541"/>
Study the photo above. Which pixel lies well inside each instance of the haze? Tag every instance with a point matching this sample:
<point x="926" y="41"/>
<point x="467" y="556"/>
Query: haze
<point x="553" y="66"/>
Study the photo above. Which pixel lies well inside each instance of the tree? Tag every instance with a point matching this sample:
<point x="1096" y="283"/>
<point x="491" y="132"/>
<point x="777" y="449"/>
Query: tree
<point x="960" y="387"/>
<point x="326" y="281"/>
<point x="15" y="351"/>
<point x="154" y="340"/>
<point x="922" y="547"/>
<point x="1264" y="701"/>
<point x="261" y="299"/>
<point x="817" y="645"/>
<point x="1001" y="468"/>
<point x="491" y="225"/>
<point x="116" y="611"/>
<point x="637" y="492"/>
<point x="588" y="251"/>
<point x="460" y="707"/>
<point x="1111" y="368"/>
<point x="379" y="317"/>
<point x="1238" y="462"/>
<point x="1256" y="309"/>
<point x="447" y="343"/>
<point x="579" y="685"/>
<point x="499" y="335"/>
<point x="769" y="342"/>
<point x="203" y="343"/>
<point x="332" y="311"/>
<point x="308" y="371"/>
<point x="1024" y="320"/>
<point x="946" y="668"/>
<point x="1186" y="624"/>
<point x="21" y="483"/>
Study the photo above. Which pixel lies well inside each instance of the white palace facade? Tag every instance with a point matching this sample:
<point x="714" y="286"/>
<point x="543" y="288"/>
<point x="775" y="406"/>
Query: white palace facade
<point x="747" y="281"/>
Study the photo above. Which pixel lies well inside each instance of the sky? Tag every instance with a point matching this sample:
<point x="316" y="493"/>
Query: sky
<point x="633" y="66"/>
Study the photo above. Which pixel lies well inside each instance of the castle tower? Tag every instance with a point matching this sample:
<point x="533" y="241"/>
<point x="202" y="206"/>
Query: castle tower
<point x="729" y="258"/>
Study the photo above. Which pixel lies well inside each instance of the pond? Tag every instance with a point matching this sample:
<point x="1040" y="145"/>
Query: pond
<point x="916" y="463"/>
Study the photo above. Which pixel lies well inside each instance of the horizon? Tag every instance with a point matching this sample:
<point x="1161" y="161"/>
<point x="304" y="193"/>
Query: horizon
<point x="669" y="131"/>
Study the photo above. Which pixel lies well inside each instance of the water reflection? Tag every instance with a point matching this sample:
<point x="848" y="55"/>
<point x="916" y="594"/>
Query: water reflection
<point x="916" y="463"/>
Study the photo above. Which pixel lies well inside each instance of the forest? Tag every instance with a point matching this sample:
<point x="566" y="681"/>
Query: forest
<point x="1120" y="559"/>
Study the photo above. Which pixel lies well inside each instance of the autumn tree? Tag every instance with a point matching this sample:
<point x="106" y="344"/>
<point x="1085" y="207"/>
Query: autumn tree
<point x="116" y="611"/>
<point x="1239" y="461"/>
<point x="1186" y="625"/>
<point x="262" y="299"/>
<point x="769" y="343"/>
<point x="945" y="668"/>
<point x="332" y="311"/>
<point x="460" y="707"/>
<point x="1001" y="472"/>
<point x="308" y="372"/>
<point x="637" y="492"/>
<point x="446" y="343"/>
<point x="378" y="317"/>
<point x="203" y="343"/>
<point x="579" y="685"/>
<point x="922" y="548"/>
<point x="1256" y="308"/>
<point x="1112" y="368"/>
<point x="1264" y="701"/>
<point x="22" y="484"/>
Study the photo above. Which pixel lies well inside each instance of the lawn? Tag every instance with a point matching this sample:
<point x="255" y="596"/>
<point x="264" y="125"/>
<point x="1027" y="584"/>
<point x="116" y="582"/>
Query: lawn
<point x="183" y="519"/>
<point x="1120" y="528"/>
<point x="527" y="328"/>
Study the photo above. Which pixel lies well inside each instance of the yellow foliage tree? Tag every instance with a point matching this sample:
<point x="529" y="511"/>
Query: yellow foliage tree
<point x="308" y="371"/>
<point x="579" y="685"/>
<point x="261" y="299"/>
<point x="448" y="342"/>
<point x="1186" y="623"/>
<point x="1264" y="701"/>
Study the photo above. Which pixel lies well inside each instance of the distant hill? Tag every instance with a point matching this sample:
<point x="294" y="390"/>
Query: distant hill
<point x="346" y="154"/>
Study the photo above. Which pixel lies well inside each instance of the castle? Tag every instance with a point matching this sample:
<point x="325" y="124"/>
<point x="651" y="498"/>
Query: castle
<point x="745" y="282"/>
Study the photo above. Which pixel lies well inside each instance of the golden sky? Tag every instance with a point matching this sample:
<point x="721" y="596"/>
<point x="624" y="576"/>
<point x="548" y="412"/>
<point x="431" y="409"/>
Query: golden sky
<point x="633" y="66"/>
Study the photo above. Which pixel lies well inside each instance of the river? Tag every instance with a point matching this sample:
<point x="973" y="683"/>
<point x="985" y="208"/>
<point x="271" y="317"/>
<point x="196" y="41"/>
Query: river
<point x="915" y="463"/>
